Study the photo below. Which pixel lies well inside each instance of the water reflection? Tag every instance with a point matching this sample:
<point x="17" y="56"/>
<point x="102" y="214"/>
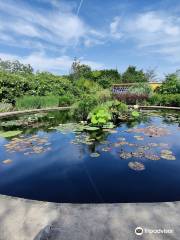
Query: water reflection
<point x="136" y="162"/>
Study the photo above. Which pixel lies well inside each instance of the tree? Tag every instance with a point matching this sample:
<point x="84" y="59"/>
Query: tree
<point x="79" y="70"/>
<point x="15" y="67"/>
<point x="106" y="78"/>
<point x="170" y="85"/>
<point x="131" y="75"/>
<point x="151" y="75"/>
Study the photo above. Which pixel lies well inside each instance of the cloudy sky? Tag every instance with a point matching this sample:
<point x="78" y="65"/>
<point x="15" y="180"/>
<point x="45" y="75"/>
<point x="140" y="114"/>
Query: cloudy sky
<point x="48" y="34"/>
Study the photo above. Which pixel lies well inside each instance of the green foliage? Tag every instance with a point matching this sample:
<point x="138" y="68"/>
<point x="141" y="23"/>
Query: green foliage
<point x="79" y="70"/>
<point x="84" y="106"/>
<point x="36" y="102"/>
<point x="15" y="67"/>
<point x="104" y="95"/>
<point x="170" y="85"/>
<point x="170" y="100"/>
<point x="100" y="116"/>
<point x="141" y="89"/>
<point x="5" y="107"/>
<point x="12" y="86"/>
<point x="8" y="134"/>
<point x="106" y="78"/>
<point x="86" y="85"/>
<point x="66" y="100"/>
<point x="46" y="83"/>
<point x="135" y="114"/>
<point x="132" y="75"/>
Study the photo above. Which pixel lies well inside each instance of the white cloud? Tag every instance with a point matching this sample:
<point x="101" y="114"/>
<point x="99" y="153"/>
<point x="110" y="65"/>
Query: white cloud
<point x="150" y="32"/>
<point x="114" y="28"/>
<point x="40" y="61"/>
<point x="57" y="26"/>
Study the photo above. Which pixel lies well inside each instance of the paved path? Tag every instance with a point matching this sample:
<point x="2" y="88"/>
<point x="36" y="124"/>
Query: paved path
<point x="32" y="220"/>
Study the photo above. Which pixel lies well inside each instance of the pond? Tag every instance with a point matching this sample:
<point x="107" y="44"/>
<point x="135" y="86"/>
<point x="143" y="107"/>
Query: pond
<point x="48" y="157"/>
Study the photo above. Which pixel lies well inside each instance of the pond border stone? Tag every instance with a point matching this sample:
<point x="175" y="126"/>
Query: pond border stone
<point x="158" y="108"/>
<point x="23" y="219"/>
<point x="14" y="113"/>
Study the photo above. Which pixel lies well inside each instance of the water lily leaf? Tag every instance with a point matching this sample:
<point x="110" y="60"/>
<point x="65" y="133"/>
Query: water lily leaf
<point x="28" y="145"/>
<point x="125" y="155"/>
<point x="139" y="138"/>
<point x="121" y="139"/>
<point x="168" y="157"/>
<point x="95" y="155"/>
<point x="8" y="134"/>
<point x="153" y="144"/>
<point x="152" y="157"/>
<point x="106" y="149"/>
<point x="138" y="154"/>
<point x="7" y="161"/>
<point x="151" y="131"/>
<point x="89" y="128"/>
<point x="166" y="152"/>
<point x="137" y="166"/>
<point x="165" y="145"/>
<point x="109" y="125"/>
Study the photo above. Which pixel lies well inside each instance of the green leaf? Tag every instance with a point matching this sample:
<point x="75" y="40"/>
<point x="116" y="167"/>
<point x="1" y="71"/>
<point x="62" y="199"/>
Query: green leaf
<point x="10" y="133"/>
<point x="135" y="114"/>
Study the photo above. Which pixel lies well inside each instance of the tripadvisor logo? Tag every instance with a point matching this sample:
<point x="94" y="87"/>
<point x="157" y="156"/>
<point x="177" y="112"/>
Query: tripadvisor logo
<point x="139" y="231"/>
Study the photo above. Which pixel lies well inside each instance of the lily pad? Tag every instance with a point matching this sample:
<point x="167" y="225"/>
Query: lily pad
<point x="166" y="152"/>
<point x="125" y="155"/>
<point x="8" y="134"/>
<point x="121" y="139"/>
<point x="168" y="157"/>
<point x="138" y="154"/>
<point x="153" y="157"/>
<point x="151" y="131"/>
<point x="7" y="161"/>
<point x="137" y="166"/>
<point x="165" y="145"/>
<point x="89" y="128"/>
<point x="106" y="149"/>
<point x="28" y="145"/>
<point x="139" y="138"/>
<point x="95" y="155"/>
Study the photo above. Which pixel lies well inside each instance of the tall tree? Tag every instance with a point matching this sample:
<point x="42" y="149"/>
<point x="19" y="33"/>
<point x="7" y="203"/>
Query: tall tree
<point x="15" y="67"/>
<point x="132" y="75"/>
<point x="79" y="70"/>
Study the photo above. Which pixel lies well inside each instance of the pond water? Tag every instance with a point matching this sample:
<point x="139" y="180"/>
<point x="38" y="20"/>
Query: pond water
<point x="135" y="162"/>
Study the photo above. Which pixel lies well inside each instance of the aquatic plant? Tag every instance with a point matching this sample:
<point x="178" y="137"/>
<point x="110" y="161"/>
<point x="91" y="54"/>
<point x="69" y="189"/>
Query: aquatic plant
<point x="137" y="166"/>
<point x="9" y="134"/>
<point x="100" y="116"/>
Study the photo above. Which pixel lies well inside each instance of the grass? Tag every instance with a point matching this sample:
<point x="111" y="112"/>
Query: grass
<point x="36" y="102"/>
<point x="5" y="107"/>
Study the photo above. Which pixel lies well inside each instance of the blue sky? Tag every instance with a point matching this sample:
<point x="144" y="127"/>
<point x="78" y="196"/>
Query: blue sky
<point x="48" y="34"/>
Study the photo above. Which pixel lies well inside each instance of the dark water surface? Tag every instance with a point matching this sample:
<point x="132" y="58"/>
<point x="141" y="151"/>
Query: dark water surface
<point x="63" y="170"/>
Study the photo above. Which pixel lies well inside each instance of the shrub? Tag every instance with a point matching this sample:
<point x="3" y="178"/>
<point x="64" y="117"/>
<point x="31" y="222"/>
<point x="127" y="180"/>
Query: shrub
<point x="170" y="100"/>
<point x="65" y="100"/>
<point x="84" y="106"/>
<point x="141" y="89"/>
<point x="131" y="99"/>
<point x="170" y="85"/>
<point x="133" y="75"/>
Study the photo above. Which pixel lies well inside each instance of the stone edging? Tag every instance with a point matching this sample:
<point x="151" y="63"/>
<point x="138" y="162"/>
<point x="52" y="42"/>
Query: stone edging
<point x="7" y="114"/>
